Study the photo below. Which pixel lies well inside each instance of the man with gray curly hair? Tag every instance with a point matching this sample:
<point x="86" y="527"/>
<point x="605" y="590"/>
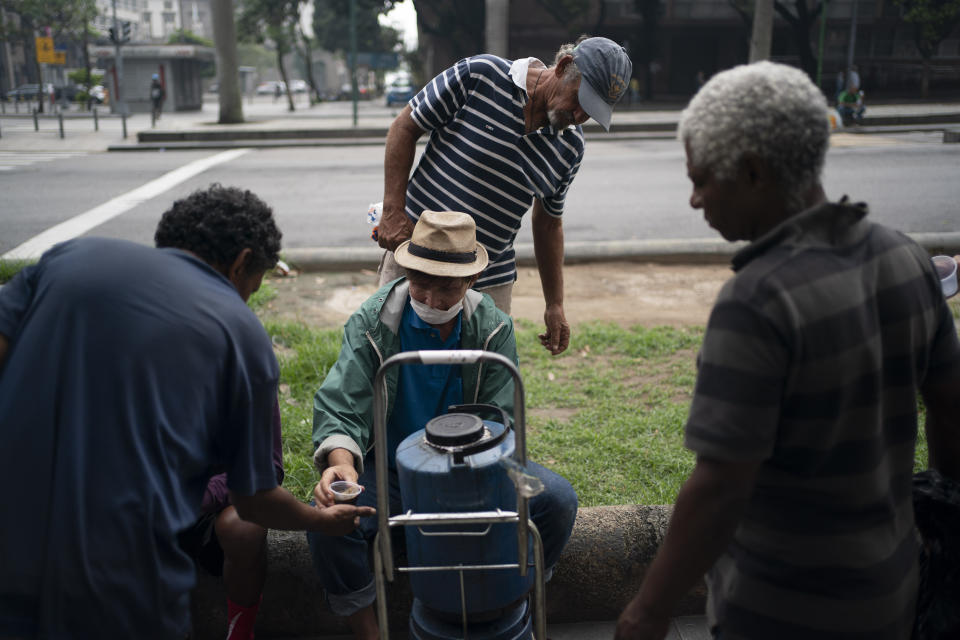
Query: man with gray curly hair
<point x="804" y="415"/>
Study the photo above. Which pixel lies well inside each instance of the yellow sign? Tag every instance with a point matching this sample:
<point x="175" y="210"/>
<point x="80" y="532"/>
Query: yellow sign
<point x="47" y="54"/>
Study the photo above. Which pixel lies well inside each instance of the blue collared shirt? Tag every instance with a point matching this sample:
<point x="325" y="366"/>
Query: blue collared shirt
<point x="423" y="391"/>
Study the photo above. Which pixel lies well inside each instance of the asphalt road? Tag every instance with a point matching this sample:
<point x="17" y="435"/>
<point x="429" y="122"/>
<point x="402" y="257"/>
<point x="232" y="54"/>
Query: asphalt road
<point x="626" y="189"/>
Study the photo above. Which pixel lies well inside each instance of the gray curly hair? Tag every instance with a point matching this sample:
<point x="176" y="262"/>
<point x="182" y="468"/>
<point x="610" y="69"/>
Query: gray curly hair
<point x="767" y="110"/>
<point x="572" y="72"/>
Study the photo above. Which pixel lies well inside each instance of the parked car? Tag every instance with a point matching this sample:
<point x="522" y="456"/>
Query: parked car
<point x="269" y="87"/>
<point x="98" y="93"/>
<point x="214" y="87"/>
<point x="346" y="92"/>
<point x="66" y="93"/>
<point x="298" y="86"/>
<point x="400" y="93"/>
<point x="29" y="92"/>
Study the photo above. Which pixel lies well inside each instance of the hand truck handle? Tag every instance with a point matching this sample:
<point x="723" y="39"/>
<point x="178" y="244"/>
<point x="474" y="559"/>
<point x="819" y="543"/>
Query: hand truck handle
<point x="450" y="357"/>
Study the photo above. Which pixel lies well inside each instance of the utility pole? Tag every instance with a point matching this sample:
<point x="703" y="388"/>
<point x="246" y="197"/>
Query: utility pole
<point x="11" y="81"/>
<point x="353" y="57"/>
<point x="823" y="35"/>
<point x="851" y="46"/>
<point x="121" y="105"/>
<point x="762" y="30"/>
<point x="183" y="25"/>
<point x="497" y="25"/>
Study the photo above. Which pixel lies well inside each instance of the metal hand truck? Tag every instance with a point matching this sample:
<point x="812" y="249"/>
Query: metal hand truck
<point x="383" y="565"/>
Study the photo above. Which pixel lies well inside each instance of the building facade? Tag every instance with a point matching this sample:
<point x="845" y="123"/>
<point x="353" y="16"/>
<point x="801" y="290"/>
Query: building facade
<point x="672" y="42"/>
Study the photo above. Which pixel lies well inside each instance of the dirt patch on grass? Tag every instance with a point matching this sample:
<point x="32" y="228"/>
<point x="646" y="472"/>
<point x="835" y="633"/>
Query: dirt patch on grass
<point x="620" y="292"/>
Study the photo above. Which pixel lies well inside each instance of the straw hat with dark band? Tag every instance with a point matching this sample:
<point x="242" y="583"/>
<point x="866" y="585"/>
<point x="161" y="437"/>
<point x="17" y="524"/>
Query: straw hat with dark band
<point x="444" y="243"/>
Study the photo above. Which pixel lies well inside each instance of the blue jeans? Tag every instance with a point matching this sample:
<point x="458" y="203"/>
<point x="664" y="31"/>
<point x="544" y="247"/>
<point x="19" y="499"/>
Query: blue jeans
<point x="343" y="563"/>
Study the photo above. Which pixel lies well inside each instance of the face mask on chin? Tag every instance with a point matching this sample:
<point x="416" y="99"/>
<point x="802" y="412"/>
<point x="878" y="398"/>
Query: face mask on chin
<point x="435" y="316"/>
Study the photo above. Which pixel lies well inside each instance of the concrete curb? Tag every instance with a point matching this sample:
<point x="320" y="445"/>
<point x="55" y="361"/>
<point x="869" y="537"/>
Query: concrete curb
<point x="267" y="136"/>
<point x="696" y="250"/>
<point x="599" y="572"/>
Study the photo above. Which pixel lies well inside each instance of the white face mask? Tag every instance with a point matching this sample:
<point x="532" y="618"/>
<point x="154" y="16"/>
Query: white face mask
<point x="435" y="316"/>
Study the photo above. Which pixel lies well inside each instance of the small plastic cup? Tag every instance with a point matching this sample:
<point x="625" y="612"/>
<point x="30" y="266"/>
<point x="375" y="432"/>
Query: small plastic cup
<point x="345" y="492"/>
<point x="947" y="271"/>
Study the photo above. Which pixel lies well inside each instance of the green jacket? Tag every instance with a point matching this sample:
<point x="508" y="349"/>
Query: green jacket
<point x="343" y="405"/>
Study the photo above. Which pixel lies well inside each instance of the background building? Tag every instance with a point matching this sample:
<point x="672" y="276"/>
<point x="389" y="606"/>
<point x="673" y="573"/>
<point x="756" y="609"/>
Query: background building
<point x="670" y="41"/>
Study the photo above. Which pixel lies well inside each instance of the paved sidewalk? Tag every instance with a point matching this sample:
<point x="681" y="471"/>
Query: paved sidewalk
<point x="681" y="628"/>
<point x="373" y="118"/>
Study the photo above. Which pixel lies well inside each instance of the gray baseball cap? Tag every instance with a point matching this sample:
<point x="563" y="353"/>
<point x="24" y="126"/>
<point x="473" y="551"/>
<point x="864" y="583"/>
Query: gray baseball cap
<point x="605" y="68"/>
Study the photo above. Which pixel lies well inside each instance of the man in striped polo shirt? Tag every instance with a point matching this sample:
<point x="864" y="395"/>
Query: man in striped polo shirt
<point x="804" y="416"/>
<point x="503" y="134"/>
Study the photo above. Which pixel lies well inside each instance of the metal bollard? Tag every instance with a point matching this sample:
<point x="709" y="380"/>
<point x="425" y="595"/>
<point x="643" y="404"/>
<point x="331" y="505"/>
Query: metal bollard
<point x="96" y="120"/>
<point x="60" y="118"/>
<point x="123" y="119"/>
<point x="36" y="123"/>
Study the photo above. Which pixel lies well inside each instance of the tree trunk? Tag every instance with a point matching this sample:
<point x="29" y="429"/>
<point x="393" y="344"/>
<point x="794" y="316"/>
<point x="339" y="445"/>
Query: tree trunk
<point x="308" y="61"/>
<point x="86" y="66"/>
<point x="283" y="76"/>
<point x="800" y="27"/>
<point x="225" y="41"/>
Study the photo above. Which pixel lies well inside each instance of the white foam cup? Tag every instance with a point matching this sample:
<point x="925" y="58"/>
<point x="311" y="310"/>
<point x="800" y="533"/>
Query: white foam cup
<point x="947" y="272"/>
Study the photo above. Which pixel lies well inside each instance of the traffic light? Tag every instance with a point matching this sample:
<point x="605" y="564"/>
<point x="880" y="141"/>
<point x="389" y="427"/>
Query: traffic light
<point x="125" y="26"/>
<point x="113" y="35"/>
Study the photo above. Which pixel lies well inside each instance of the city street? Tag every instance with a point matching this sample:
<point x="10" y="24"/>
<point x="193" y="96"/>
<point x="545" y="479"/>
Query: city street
<point x="627" y="189"/>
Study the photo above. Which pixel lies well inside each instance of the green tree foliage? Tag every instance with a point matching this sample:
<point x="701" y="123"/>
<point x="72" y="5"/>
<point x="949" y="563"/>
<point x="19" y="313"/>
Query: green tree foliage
<point x="185" y="36"/>
<point x="568" y="13"/>
<point x="271" y="20"/>
<point x="331" y="25"/>
<point x="67" y="20"/>
<point x="85" y="77"/>
<point x="460" y="23"/>
<point x="800" y="15"/>
<point x="933" y="21"/>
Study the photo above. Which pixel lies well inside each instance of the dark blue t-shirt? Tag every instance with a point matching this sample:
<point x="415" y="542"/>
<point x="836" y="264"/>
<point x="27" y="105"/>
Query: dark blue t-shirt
<point x="423" y="391"/>
<point x="132" y="375"/>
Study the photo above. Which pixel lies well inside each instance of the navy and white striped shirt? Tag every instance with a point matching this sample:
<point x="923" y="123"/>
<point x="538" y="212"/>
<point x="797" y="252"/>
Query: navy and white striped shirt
<point x="480" y="160"/>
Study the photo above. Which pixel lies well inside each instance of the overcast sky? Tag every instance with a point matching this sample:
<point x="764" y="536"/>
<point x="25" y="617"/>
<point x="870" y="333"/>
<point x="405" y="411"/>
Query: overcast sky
<point x="402" y="17"/>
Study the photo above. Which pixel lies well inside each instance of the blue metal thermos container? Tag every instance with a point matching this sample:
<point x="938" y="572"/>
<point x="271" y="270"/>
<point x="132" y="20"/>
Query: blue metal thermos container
<point x="453" y="466"/>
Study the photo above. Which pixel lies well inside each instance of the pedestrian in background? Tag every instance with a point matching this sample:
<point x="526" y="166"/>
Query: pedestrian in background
<point x="128" y="374"/>
<point x="157" y="96"/>
<point x="504" y="134"/>
<point x="804" y="416"/>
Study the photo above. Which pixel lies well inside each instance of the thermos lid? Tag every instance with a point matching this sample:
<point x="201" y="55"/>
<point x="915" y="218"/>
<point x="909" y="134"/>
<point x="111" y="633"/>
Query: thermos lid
<point x="454" y="429"/>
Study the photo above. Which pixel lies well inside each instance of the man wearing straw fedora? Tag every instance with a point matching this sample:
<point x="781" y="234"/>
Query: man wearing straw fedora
<point x="432" y="307"/>
<point x="503" y="135"/>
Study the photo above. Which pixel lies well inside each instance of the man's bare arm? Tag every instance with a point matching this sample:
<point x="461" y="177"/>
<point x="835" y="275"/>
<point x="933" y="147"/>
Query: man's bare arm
<point x="548" y="249"/>
<point x="277" y="508"/>
<point x="401" y="148"/>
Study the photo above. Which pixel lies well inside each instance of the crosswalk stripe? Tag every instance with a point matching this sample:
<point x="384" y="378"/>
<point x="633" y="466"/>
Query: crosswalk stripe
<point x="80" y="224"/>
<point x="10" y="160"/>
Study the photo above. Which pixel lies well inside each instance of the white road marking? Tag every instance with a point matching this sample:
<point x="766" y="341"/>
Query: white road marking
<point x="12" y="159"/>
<point x="78" y="225"/>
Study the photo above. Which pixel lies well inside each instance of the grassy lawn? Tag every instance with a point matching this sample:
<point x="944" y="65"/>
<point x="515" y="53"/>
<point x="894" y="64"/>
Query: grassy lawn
<point x="9" y="268"/>
<point x="608" y="414"/>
